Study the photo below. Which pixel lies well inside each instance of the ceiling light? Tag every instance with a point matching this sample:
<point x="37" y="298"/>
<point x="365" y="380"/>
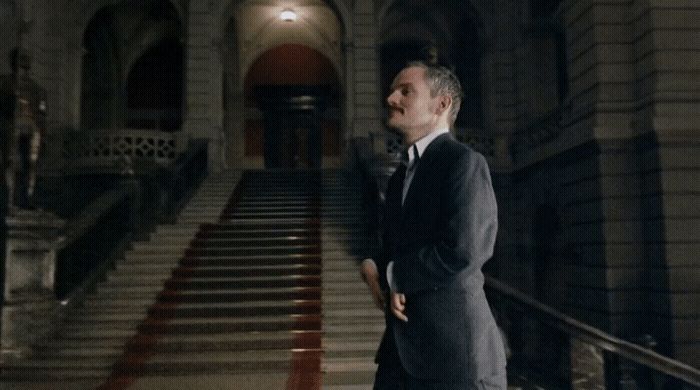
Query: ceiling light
<point x="288" y="15"/>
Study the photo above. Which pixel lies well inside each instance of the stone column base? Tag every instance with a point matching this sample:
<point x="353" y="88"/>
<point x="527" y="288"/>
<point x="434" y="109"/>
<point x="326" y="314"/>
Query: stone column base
<point x="33" y="239"/>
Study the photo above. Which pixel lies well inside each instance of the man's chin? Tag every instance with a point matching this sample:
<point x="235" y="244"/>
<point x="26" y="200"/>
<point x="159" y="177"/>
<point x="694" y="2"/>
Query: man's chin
<point x="393" y="127"/>
<point x="393" y="121"/>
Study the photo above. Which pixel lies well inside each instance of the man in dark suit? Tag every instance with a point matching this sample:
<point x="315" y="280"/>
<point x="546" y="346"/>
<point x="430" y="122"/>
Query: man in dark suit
<point x="440" y="228"/>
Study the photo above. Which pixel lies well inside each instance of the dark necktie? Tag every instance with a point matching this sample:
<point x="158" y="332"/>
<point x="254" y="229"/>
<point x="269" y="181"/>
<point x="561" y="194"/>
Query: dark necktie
<point x="406" y="168"/>
<point x="416" y="158"/>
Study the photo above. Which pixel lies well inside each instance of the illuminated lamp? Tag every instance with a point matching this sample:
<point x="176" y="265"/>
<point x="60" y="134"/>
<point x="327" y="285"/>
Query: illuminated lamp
<point x="288" y="15"/>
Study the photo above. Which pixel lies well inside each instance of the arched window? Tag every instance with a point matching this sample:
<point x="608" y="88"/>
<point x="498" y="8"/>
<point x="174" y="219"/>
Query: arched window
<point x="549" y="47"/>
<point x="467" y="58"/>
<point x="114" y="39"/>
<point x="101" y="72"/>
<point x="155" y="88"/>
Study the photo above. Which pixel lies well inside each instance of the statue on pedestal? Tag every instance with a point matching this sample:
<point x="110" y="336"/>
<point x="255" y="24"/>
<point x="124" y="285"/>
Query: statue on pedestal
<point x="23" y="124"/>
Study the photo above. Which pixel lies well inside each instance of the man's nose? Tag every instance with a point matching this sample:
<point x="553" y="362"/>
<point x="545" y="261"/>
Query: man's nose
<point x="391" y="99"/>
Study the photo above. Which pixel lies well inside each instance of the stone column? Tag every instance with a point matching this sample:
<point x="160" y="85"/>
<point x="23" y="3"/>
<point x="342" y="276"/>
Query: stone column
<point x="600" y="191"/>
<point x="73" y="62"/>
<point x="667" y="93"/>
<point x="367" y="95"/>
<point x="30" y="264"/>
<point x="203" y="79"/>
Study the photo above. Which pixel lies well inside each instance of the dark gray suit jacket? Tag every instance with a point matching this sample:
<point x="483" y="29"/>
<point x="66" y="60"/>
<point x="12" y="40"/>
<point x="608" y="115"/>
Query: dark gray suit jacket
<point x="439" y="240"/>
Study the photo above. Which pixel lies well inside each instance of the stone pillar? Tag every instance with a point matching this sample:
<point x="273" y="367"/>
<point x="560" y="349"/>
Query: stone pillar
<point x="667" y="93"/>
<point x="73" y="84"/>
<point x="48" y="68"/>
<point x="30" y="264"/>
<point x="367" y="95"/>
<point x="203" y="79"/>
<point x="601" y="218"/>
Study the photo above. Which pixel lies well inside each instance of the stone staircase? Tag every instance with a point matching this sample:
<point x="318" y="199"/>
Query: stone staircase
<point x="256" y="288"/>
<point x="93" y="338"/>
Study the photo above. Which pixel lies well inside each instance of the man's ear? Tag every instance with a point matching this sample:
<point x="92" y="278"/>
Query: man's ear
<point x="444" y="104"/>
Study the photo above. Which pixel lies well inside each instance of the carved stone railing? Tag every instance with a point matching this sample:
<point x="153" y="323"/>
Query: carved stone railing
<point x="483" y="144"/>
<point x="115" y="148"/>
<point x="385" y="143"/>
<point x="390" y="144"/>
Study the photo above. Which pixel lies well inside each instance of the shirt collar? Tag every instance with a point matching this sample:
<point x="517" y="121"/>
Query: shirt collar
<point x="423" y="143"/>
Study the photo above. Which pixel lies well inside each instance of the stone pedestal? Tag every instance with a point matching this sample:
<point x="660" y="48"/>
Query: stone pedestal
<point x="587" y="366"/>
<point x="33" y="239"/>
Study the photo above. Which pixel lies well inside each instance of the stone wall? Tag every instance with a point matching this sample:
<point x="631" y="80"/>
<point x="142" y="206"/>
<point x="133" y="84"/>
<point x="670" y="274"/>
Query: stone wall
<point x="622" y="175"/>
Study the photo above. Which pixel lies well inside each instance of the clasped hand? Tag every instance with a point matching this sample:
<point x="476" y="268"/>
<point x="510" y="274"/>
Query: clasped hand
<point x="397" y="300"/>
<point x="398" y="306"/>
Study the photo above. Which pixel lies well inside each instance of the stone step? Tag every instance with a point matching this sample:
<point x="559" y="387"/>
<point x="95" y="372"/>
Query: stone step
<point x="253" y="201"/>
<point x="153" y="258"/>
<point x="207" y="308"/>
<point x="338" y="329"/>
<point x="132" y="269"/>
<point x="137" y="301"/>
<point x="265" y="341"/>
<point x="349" y="207"/>
<point x="30" y="378"/>
<point x="349" y="364"/>
<point x="106" y="309"/>
<point x="276" y="220"/>
<point x="328" y="384"/>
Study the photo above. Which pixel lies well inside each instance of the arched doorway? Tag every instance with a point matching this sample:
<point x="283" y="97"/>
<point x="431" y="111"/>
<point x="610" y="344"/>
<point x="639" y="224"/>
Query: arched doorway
<point x="295" y="90"/>
<point x="249" y="32"/>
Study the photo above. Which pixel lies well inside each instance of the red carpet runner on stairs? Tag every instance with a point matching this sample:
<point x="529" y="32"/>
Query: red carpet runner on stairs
<point x="261" y="261"/>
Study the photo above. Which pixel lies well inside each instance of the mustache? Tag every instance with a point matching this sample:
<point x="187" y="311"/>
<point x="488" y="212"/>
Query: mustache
<point x="394" y="108"/>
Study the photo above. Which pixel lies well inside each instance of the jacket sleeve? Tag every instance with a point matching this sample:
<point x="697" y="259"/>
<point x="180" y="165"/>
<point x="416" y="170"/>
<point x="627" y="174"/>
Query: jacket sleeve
<point x="466" y="231"/>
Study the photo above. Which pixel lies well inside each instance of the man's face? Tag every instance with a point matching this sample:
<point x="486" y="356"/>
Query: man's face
<point x="412" y="109"/>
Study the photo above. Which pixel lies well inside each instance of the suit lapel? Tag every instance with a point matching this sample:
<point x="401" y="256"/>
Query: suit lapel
<point x="425" y="167"/>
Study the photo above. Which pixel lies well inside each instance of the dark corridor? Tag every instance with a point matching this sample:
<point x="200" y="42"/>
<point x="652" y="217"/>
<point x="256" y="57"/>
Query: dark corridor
<point x="293" y="125"/>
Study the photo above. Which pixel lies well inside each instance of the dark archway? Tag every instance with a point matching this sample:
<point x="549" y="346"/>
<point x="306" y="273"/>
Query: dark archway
<point x="548" y="43"/>
<point x="9" y="33"/>
<point x="114" y="39"/>
<point x="545" y="232"/>
<point x="101" y="72"/>
<point x="467" y="54"/>
<point x="155" y="88"/>
<point x="294" y="86"/>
